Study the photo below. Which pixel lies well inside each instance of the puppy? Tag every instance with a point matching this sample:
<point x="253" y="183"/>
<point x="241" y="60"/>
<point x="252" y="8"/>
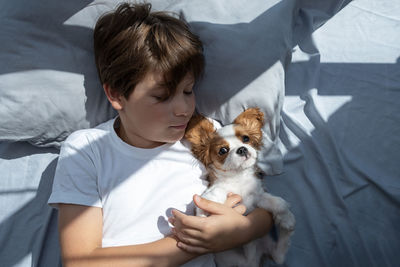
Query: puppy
<point x="230" y="157"/>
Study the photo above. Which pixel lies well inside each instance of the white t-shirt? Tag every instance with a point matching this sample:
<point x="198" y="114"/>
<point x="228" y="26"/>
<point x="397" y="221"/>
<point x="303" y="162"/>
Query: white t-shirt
<point x="136" y="188"/>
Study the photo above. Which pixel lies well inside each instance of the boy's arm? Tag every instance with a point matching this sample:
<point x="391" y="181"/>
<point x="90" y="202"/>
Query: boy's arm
<point x="224" y="229"/>
<point x="80" y="230"/>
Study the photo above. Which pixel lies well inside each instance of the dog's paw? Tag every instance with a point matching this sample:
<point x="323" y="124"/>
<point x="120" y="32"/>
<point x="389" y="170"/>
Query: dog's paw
<point x="285" y="220"/>
<point x="278" y="257"/>
<point x="274" y="253"/>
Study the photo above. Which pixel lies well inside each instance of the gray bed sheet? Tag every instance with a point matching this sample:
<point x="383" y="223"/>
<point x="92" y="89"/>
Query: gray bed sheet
<point x="340" y="133"/>
<point x="341" y="137"/>
<point x="28" y="226"/>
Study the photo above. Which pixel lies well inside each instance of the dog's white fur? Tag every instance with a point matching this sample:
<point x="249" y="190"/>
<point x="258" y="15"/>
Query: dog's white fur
<point x="237" y="174"/>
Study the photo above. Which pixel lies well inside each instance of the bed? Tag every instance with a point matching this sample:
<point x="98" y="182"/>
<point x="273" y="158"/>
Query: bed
<point x="326" y="73"/>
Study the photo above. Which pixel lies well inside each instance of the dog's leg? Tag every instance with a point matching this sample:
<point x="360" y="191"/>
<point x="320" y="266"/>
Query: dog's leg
<point x="282" y="245"/>
<point x="279" y="209"/>
<point x="285" y="222"/>
<point x="236" y="257"/>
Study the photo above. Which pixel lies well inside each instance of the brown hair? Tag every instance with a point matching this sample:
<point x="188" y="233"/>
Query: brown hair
<point x="132" y="40"/>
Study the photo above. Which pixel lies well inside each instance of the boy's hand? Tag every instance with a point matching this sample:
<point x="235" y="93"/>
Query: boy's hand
<point x="225" y="228"/>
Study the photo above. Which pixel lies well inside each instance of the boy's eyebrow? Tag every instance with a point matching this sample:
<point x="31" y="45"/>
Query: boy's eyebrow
<point x="164" y="85"/>
<point x="158" y="87"/>
<point x="188" y="82"/>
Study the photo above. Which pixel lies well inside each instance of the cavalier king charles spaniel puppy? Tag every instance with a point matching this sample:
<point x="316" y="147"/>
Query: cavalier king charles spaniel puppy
<point x="229" y="155"/>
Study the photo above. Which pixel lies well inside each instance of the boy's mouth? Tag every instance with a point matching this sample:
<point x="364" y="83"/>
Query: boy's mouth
<point x="179" y="127"/>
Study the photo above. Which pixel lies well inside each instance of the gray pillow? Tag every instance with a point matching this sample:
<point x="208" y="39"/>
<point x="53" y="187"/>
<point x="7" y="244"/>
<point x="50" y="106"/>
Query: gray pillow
<point x="48" y="81"/>
<point x="49" y="85"/>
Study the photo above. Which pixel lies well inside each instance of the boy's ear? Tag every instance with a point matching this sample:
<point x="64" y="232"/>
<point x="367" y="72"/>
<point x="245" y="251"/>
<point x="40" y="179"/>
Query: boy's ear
<point x="199" y="133"/>
<point x="114" y="97"/>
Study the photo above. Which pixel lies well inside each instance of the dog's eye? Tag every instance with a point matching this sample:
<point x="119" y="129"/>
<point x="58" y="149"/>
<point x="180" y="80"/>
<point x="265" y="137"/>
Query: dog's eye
<point x="223" y="150"/>
<point x="245" y="138"/>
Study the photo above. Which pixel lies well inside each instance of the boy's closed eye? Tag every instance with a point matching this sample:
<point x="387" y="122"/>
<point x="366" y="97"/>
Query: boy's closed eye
<point x="159" y="93"/>
<point x="161" y="97"/>
<point x="164" y="97"/>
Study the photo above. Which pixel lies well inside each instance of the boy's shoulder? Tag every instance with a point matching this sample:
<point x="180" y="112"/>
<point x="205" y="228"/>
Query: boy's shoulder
<point x="91" y="135"/>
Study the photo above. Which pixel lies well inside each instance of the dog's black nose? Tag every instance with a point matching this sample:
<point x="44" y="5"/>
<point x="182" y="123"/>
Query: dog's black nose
<point x="242" y="151"/>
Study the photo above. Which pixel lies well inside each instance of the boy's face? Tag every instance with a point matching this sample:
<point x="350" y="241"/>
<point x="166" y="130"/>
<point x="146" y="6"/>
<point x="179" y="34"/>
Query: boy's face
<point x="147" y="120"/>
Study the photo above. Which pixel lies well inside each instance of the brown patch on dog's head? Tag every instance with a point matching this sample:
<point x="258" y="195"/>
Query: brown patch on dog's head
<point x="207" y="146"/>
<point x="199" y="132"/>
<point x="248" y="127"/>
<point x="219" y="150"/>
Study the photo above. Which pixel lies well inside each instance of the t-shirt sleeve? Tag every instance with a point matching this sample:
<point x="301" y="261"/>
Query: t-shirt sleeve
<point x="75" y="180"/>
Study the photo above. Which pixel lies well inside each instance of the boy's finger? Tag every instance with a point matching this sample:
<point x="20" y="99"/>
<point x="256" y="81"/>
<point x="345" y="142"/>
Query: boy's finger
<point x="232" y="200"/>
<point x="187" y="239"/>
<point x="192" y="249"/>
<point x="190" y="233"/>
<point x="171" y="220"/>
<point x="183" y="221"/>
<point x="208" y="205"/>
<point x="241" y="209"/>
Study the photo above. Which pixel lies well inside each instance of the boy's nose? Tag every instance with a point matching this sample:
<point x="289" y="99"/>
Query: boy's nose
<point x="182" y="107"/>
<point x="182" y="113"/>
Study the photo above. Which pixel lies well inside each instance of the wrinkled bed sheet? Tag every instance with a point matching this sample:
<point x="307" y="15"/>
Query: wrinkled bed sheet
<point x="341" y="137"/>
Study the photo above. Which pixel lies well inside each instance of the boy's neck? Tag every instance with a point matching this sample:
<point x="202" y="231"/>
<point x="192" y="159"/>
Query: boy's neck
<point x="133" y="139"/>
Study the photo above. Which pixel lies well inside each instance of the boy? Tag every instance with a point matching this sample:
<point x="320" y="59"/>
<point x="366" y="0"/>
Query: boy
<point x="116" y="185"/>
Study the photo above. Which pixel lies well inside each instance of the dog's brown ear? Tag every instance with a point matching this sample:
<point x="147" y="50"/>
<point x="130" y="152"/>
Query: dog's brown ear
<point x="251" y="117"/>
<point x="199" y="133"/>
